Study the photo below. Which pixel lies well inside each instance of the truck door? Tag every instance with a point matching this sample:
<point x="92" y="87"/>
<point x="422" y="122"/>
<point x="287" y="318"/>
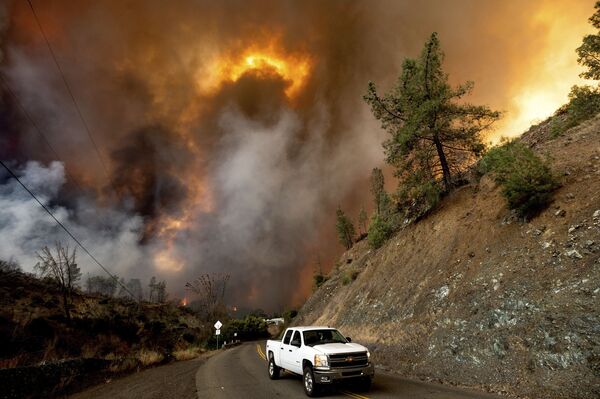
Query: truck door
<point x="283" y="347"/>
<point x="292" y="355"/>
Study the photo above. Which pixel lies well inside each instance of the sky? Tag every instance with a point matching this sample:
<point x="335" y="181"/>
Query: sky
<point x="220" y="137"/>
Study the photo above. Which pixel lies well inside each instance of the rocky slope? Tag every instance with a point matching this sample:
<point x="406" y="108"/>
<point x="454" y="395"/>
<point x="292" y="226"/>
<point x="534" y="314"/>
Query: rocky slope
<point x="472" y="296"/>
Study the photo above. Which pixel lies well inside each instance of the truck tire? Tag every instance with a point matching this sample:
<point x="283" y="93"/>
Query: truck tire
<point x="311" y="388"/>
<point x="273" y="369"/>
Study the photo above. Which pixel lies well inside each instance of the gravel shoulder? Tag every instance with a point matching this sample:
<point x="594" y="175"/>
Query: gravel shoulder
<point x="173" y="381"/>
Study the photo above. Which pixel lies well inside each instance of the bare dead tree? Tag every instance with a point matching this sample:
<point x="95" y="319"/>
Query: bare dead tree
<point x="60" y="266"/>
<point x="210" y="289"/>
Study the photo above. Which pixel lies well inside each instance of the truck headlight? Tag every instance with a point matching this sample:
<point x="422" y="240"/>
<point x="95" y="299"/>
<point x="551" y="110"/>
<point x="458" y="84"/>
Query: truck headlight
<point x="368" y="355"/>
<point x="321" y="361"/>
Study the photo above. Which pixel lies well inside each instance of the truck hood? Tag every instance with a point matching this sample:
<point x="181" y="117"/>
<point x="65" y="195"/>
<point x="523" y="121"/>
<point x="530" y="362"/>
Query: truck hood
<point x="331" y="349"/>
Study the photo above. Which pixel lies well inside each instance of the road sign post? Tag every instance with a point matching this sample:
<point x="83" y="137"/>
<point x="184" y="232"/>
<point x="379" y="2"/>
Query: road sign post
<point x="218" y="326"/>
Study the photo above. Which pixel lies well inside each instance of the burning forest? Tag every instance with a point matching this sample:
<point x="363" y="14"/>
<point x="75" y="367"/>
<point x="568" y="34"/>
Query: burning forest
<point x="220" y="137"/>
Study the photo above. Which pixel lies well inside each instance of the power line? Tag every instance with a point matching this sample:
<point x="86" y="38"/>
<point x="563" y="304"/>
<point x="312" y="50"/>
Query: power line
<point x="12" y="174"/>
<point x="36" y="128"/>
<point x="64" y="79"/>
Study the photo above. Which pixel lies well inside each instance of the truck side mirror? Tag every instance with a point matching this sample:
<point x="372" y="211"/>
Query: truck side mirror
<point x="348" y="339"/>
<point x="295" y="343"/>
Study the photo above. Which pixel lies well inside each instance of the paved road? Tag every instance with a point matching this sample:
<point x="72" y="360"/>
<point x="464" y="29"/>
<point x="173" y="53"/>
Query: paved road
<point x="241" y="373"/>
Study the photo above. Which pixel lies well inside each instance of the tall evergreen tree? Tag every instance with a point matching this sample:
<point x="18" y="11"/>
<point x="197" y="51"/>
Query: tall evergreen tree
<point x="345" y="229"/>
<point x="434" y="136"/>
<point x="152" y="286"/>
<point x="589" y="51"/>
<point x="377" y="188"/>
<point x="362" y="220"/>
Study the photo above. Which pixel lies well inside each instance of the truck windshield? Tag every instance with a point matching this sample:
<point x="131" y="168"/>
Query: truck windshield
<point x="320" y="337"/>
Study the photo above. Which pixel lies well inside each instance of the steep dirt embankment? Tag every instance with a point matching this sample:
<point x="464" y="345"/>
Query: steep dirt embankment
<point x="471" y="296"/>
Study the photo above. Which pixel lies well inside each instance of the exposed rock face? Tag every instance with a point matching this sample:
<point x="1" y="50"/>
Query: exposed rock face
<point x="472" y="296"/>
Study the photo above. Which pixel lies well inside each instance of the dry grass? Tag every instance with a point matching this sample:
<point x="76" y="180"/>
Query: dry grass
<point x="188" y="353"/>
<point x="149" y="357"/>
<point x="123" y="365"/>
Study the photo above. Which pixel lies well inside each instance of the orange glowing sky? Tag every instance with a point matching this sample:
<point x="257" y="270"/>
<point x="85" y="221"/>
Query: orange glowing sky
<point x="260" y="59"/>
<point x="551" y="73"/>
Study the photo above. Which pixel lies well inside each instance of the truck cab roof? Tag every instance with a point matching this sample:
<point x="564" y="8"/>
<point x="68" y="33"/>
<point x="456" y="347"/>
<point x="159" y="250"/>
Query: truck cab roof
<point x="304" y="328"/>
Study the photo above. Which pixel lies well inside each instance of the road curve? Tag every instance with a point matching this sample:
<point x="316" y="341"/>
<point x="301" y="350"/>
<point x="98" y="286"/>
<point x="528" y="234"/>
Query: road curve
<point x="241" y="373"/>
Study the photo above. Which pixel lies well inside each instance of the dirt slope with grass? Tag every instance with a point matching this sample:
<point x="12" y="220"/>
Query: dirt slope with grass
<point x="472" y="296"/>
<point x="106" y="337"/>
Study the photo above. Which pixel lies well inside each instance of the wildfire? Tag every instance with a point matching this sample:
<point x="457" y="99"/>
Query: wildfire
<point x="546" y="87"/>
<point x="165" y="260"/>
<point x="293" y="68"/>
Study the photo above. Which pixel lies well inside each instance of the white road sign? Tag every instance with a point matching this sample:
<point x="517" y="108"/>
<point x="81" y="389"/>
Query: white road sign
<point x="218" y="325"/>
<point x="218" y="332"/>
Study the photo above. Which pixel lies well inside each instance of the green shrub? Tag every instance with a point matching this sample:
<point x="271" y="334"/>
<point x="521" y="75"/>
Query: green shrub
<point x="319" y="279"/>
<point x="346" y="278"/>
<point x="248" y="328"/>
<point x="417" y="195"/>
<point x="584" y="104"/>
<point x="526" y="179"/>
<point x="379" y="231"/>
<point x="288" y="315"/>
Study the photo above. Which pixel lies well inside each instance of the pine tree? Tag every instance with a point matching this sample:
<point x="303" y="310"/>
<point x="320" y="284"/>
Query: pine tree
<point x="135" y="288"/>
<point x="161" y="292"/>
<point x="345" y="229"/>
<point x="377" y="188"/>
<point x="152" y="289"/>
<point x="434" y="136"/>
<point x="589" y="51"/>
<point x="362" y="220"/>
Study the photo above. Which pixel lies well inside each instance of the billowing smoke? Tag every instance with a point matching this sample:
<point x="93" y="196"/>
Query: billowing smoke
<point x="25" y="227"/>
<point x="228" y="132"/>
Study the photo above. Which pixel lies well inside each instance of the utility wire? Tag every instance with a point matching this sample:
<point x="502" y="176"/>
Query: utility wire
<point x="64" y="79"/>
<point x="36" y="128"/>
<point x="12" y="174"/>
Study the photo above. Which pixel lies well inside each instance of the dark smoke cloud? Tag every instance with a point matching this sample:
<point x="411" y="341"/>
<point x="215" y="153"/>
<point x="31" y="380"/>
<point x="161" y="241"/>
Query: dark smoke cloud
<point x="254" y="175"/>
<point x="145" y="168"/>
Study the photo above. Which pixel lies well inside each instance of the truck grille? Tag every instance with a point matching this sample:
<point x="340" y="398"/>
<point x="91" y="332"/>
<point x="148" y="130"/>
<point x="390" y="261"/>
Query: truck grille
<point x="355" y="359"/>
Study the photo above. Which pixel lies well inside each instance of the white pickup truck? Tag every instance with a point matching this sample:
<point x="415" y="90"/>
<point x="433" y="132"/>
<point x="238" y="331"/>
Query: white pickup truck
<point x="321" y="355"/>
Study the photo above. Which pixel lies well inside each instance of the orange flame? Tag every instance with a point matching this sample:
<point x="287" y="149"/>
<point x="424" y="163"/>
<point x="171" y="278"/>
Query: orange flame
<point x="292" y="67"/>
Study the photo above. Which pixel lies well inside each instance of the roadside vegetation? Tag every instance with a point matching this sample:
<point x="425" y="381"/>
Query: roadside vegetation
<point x="46" y="317"/>
<point x="249" y="328"/>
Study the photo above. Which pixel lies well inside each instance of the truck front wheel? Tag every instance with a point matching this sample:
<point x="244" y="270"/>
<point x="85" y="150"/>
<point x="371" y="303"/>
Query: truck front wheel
<point x="310" y="387"/>
<point x="273" y="369"/>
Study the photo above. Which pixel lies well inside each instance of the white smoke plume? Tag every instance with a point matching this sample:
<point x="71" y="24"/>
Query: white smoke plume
<point x="111" y="235"/>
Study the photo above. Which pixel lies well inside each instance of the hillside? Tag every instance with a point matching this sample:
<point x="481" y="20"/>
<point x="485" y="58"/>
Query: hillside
<point x="43" y="354"/>
<point x="472" y="296"/>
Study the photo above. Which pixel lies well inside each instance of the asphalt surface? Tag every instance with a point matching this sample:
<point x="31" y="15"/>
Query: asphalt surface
<point x="241" y="372"/>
